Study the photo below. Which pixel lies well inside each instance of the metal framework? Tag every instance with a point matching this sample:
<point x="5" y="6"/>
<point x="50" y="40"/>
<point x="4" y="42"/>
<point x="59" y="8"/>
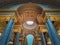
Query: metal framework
<point x="52" y="33"/>
<point x="7" y="33"/>
<point x="17" y="39"/>
<point x="43" y="39"/>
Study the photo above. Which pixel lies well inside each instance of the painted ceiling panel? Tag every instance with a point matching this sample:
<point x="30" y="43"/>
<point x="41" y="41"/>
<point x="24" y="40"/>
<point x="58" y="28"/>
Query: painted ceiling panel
<point x="14" y="7"/>
<point x="11" y="2"/>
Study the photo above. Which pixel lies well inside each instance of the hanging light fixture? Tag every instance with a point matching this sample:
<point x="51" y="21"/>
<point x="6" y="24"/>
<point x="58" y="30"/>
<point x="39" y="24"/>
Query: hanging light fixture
<point x="29" y="22"/>
<point x="29" y="25"/>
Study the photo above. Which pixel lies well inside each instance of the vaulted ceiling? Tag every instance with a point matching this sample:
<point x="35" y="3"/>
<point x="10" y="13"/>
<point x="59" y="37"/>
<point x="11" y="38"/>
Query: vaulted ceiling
<point x="11" y="2"/>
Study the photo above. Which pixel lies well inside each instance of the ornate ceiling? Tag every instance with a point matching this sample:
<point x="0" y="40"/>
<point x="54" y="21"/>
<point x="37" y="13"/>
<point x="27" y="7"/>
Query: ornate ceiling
<point x="11" y="2"/>
<point x="29" y="19"/>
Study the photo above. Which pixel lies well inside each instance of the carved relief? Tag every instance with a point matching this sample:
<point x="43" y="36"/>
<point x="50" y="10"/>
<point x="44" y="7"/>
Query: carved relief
<point x="33" y="13"/>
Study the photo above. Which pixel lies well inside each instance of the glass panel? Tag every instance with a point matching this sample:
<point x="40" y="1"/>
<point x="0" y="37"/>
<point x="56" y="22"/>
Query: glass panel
<point x="30" y="39"/>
